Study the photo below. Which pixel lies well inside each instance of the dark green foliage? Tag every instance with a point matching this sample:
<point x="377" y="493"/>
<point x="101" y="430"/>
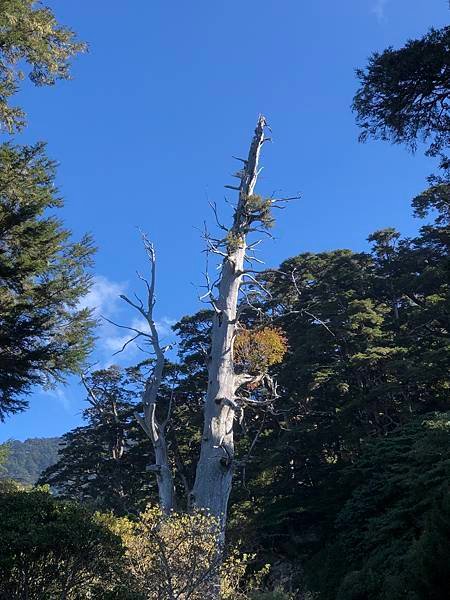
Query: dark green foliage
<point x="54" y="549"/>
<point x="369" y="352"/>
<point x="405" y="94"/>
<point x="191" y="380"/>
<point x="345" y="477"/>
<point x="103" y="462"/>
<point x="368" y="349"/>
<point x="429" y="558"/>
<point x="275" y="595"/>
<point x="436" y="197"/>
<point x="391" y="537"/>
<point x="26" y="460"/>
<point x="45" y="333"/>
<point x="31" y="39"/>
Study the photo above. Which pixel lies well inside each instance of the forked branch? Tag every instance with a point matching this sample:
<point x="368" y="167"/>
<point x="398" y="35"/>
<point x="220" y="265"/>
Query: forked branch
<point x="153" y="428"/>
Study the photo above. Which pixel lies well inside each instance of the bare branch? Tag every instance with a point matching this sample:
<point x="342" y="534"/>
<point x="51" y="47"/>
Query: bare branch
<point x="143" y="279"/>
<point x="253" y="281"/>
<point x="253" y="244"/>
<point x="92" y="398"/>
<point x="213" y="205"/>
<point x="136" y="306"/>
<point x="255" y="439"/>
<point x="132" y="339"/>
<point x="209" y="289"/>
<point x="141" y="304"/>
<point x="252" y="259"/>
<point x="154" y="430"/>
<point x="143" y="333"/>
<point x="261" y="231"/>
<point x="246" y="378"/>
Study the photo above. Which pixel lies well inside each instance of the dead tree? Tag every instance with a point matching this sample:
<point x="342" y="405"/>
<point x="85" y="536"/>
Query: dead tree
<point x="227" y="390"/>
<point x="215" y="467"/>
<point x="153" y="426"/>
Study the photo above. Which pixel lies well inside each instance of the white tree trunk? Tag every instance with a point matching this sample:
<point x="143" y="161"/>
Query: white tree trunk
<point x="215" y="466"/>
<point x="156" y="432"/>
<point x="154" y="428"/>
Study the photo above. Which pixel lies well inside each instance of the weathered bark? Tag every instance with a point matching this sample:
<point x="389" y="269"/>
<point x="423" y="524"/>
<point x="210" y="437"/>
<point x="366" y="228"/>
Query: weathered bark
<point x="214" y="471"/>
<point x="215" y="466"/>
<point x="155" y="429"/>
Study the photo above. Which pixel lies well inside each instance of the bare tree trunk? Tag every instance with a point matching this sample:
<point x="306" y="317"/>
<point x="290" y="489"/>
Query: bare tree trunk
<point x="215" y="466"/>
<point x="156" y="433"/>
<point x="214" y="471"/>
<point x="154" y="428"/>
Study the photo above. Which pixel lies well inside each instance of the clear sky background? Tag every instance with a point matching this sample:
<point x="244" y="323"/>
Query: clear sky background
<point x="168" y="92"/>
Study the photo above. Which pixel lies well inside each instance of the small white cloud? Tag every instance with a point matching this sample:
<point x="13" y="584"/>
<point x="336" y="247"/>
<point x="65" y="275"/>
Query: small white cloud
<point x="61" y="397"/>
<point x="115" y="341"/>
<point x="104" y="299"/>
<point x="115" y="338"/>
<point x="164" y="326"/>
<point x="378" y="9"/>
<point x="103" y="296"/>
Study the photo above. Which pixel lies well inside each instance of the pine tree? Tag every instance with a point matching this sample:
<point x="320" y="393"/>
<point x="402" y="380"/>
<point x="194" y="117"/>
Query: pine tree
<point x="102" y="463"/>
<point x="404" y="94"/>
<point x="390" y="538"/>
<point x="45" y="333"/>
<point x="31" y="41"/>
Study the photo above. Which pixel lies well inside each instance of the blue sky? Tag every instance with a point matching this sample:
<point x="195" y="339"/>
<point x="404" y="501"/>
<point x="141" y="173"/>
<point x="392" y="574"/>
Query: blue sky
<point x="168" y="92"/>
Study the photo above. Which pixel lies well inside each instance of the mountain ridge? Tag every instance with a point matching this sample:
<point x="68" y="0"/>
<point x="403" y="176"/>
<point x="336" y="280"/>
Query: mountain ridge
<point x="25" y="461"/>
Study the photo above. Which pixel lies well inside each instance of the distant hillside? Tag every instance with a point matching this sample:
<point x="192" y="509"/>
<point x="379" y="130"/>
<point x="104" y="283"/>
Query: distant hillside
<point x="26" y="460"/>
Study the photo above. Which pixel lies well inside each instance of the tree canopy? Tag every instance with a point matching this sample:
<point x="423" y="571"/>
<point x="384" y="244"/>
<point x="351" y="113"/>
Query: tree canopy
<point x="390" y="538"/>
<point x="25" y="461"/>
<point x="53" y="549"/>
<point x="314" y="396"/>
<point x="103" y="462"/>
<point x="45" y="333"/>
<point x="404" y="94"/>
<point x="31" y="42"/>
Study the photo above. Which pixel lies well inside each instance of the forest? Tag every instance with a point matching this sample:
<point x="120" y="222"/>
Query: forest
<point x="25" y="461"/>
<point x="293" y="442"/>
